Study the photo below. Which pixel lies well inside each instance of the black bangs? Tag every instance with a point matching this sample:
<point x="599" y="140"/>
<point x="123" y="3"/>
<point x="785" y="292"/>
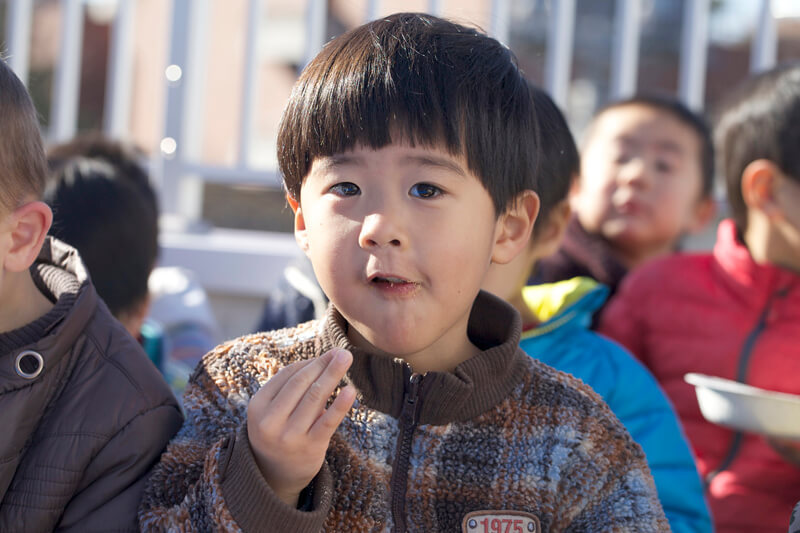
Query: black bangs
<point x="417" y="79"/>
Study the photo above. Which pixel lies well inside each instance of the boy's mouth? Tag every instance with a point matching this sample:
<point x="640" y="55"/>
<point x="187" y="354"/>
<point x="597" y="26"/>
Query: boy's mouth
<point x="389" y="281"/>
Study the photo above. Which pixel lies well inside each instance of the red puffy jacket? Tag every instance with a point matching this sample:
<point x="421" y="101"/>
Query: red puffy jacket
<point x="720" y="314"/>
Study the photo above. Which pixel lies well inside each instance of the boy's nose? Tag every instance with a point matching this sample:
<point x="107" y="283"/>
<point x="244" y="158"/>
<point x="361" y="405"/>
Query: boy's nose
<point x="379" y="230"/>
<point x="634" y="172"/>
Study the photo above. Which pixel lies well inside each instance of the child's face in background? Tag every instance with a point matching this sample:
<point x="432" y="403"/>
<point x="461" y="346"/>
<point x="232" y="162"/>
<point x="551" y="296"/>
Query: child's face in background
<point x="641" y="181"/>
<point x="400" y="239"/>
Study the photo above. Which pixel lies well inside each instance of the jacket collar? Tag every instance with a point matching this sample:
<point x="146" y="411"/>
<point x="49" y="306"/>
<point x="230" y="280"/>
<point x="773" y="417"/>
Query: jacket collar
<point x="59" y="271"/>
<point x="563" y="304"/>
<point x="475" y="386"/>
<point x="751" y="281"/>
<point x="594" y="253"/>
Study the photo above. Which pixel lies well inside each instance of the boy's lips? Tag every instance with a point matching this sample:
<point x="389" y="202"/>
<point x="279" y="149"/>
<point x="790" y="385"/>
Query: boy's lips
<point x="388" y="278"/>
<point x="392" y="283"/>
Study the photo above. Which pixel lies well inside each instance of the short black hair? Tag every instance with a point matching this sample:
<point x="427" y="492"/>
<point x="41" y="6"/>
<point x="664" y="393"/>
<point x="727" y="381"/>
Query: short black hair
<point x="419" y="79"/>
<point x="104" y="206"/>
<point x="559" y="161"/>
<point x="760" y="119"/>
<point x="679" y="110"/>
<point x="23" y="166"/>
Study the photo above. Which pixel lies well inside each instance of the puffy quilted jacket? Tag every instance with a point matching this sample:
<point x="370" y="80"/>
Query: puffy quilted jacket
<point x="85" y="414"/>
<point x="724" y="315"/>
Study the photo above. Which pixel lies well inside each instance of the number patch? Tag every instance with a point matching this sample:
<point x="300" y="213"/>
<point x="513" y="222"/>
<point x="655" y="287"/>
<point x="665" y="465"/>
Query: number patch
<point x="500" y="522"/>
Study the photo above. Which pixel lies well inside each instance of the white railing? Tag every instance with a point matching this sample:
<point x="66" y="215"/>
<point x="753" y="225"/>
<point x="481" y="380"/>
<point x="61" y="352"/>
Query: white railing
<point x="247" y="261"/>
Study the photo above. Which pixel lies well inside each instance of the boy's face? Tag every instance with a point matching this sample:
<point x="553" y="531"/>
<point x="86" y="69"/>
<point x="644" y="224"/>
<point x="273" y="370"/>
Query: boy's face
<point x="641" y="180"/>
<point x="400" y="239"/>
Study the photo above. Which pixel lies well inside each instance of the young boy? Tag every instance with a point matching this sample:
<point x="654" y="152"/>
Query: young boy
<point x="104" y="206"/>
<point x="407" y="147"/>
<point x="646" y="181"/>
<point x="85" y="414"/>
<point x="734" y="313"/>
<point x="556" y="317"/>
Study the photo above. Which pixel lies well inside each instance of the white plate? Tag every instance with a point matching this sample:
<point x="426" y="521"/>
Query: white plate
<point x="739" y="406"/>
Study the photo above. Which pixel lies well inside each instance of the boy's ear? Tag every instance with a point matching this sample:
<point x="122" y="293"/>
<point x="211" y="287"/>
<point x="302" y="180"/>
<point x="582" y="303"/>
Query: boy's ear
<point x="513" y="230"/>
<point x="300" y="234"/>
<point x="28" y="228"/>
<point x="759" y="180"/>
<point x="548" y="238"/>
<point x="292" y="202"/>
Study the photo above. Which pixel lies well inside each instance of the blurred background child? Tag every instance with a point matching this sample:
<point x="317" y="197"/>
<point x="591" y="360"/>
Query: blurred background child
<point x="734" y="313"/>
<point x="556" y="318"/>
<point x="104" y="205"/>
<point x="646" y="181"/>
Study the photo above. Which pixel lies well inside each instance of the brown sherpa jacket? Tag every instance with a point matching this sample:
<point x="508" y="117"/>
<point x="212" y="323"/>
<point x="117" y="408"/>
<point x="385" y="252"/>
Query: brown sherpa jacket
<point x="501" y="433"/>
<point x="84" y="414"/>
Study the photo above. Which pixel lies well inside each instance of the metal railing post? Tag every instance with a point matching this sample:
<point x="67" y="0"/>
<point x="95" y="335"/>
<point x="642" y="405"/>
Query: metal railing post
<point x="694" y="49"/>
<point x="559" y="50"/>
<point x="181" y="193"/>
<point x="249" y="81"/>
<point x="316" y="27"/>
<point x="116" y="114"/>
<point x="625" y="55"/>
<point x="765" y="42"/>
<point x="499" y="28"/>
<point x="19" y="14"/>
<point x="67" y="78"/>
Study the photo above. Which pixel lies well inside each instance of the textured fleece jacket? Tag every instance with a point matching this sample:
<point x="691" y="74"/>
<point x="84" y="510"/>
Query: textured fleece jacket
<point x="87" y="416"/>
<point x="563" y="341"/>
<point x="724" y="315"/>
<point x="502" y="432"/>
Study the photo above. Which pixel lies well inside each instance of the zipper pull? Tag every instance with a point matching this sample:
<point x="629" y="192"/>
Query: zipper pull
<point x="412" y="395"/>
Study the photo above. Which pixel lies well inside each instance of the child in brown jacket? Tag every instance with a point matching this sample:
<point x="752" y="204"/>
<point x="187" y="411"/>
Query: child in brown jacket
<point x="84" y="412"/>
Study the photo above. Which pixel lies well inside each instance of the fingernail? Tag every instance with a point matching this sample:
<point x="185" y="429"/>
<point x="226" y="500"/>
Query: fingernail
<point x="341" y="355"/>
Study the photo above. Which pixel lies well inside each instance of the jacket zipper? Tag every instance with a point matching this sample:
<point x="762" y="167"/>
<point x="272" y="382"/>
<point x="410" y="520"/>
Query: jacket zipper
<point x="741" y="375"/>
<point x="408" y="423"/>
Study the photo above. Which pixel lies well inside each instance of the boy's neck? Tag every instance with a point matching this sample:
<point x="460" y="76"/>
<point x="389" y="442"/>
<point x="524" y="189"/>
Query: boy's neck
<point x="767" y="246"/>
<point x="22" y="301"/>
<point x="442" y="357"/>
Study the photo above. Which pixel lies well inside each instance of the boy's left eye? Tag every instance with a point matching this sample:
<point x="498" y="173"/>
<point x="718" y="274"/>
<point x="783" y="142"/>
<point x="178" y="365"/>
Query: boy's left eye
<point x="345" y="188"/>
<point x="424" y="190"/>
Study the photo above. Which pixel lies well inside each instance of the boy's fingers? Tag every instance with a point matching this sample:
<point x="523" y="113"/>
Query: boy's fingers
<point x="276" y="383"/>
<point x="326" y="424"/>
<point x="317" y="393"/>
<point x="287" y="399"/>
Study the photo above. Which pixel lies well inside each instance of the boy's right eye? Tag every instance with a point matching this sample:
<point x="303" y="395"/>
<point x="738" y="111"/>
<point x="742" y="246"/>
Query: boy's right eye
<point x="345" y="188"/>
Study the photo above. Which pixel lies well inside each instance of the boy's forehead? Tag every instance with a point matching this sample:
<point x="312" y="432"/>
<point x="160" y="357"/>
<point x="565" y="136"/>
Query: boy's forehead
<point x="401" y="154"/>
<point x="638" y="123"/>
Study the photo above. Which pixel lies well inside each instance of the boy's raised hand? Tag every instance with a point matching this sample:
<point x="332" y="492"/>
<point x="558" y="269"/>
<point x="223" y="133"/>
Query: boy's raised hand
<point x="289" y="427"/>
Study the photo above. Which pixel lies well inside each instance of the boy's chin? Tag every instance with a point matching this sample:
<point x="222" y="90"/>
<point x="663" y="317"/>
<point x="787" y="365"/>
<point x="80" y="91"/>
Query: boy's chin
<point x="398" y="346"/>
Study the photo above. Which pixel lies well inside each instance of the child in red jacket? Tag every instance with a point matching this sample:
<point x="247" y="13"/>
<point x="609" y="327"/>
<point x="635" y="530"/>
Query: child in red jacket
<point x="734" y="313"/>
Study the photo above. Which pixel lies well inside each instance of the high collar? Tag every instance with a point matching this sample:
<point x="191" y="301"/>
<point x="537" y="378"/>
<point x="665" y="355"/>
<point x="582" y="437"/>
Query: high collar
<point x="594" y="253"/>
<point x="59" y="273"/>
<point x="569" y="303"/>
<point x="749" y="280"/>
<point x="473" y="387"/>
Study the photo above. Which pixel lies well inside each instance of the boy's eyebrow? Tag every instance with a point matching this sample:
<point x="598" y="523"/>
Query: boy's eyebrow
<point x="670" y="146"/>
<point x="337" y="160"/>
<point x="665" y="145"/>
<point x="437" y="162"/>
